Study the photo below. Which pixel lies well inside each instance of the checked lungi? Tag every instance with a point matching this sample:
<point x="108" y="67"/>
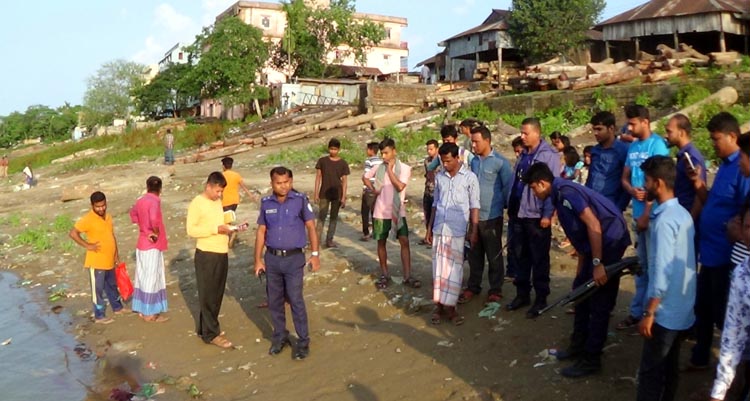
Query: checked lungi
<point x="447" y="268"/>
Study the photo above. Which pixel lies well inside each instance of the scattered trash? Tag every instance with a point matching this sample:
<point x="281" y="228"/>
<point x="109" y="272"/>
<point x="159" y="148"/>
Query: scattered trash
<point x="193" y="391"/>
<point x="118" y="394"/>
<point x="490" y="310"/>
<point x="7" y="342"/>
<point x="57" y="309"/>
<point x="227" y="369"/>
<point x="329" y="333"/>
<point x="397" y="280"/>
<point x="445" y="343"/>
<point x="151" y="366"/>
<point x="246" y="366"/>
<point x="513" y="363"/>
<point x="46" y="273"/>
<point x="398" y="350"/>
<point x="83" y="352"/>
<point x="57" y="295"/>
<point x="629" y="379"/>
<point x="343" y="289"/>
<point x="365" y="280"/>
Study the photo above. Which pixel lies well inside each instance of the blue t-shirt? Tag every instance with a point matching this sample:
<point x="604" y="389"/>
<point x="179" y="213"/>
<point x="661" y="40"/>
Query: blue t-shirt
<point x="639" y="151"/>
<point x="684" y="190"/>
<point x="285" y="221"/>
<point x="725" y="199"/>
<point x="605" y="172"/>
<point x="571" y="199"/>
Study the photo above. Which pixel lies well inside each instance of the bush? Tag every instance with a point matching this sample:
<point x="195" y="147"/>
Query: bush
<point x="603" y="101"/>
<point x="690" y="94"/>
<point x="479" y="111"/>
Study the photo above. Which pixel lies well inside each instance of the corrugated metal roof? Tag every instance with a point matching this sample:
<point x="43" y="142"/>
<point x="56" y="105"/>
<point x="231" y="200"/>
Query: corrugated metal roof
<point x="498" y="22"/>
<point x="673" y="8"/>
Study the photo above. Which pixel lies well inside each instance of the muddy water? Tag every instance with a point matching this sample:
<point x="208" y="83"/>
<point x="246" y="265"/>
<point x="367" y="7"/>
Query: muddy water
<point x="41" y="361"/>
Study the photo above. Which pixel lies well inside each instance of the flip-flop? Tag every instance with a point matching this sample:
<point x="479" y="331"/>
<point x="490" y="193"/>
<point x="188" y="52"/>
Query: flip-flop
<point x="155" y="319"/>
<point x="436" y="318"/>
<point x="221" y="342"/>
<point x="106" y="320"/>
<point x="412" y="282"/>
<point x="457" y="319"/>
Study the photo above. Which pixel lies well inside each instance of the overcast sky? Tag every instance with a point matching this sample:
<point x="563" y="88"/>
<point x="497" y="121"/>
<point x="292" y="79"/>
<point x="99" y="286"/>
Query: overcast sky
<point x="51" y="47"/>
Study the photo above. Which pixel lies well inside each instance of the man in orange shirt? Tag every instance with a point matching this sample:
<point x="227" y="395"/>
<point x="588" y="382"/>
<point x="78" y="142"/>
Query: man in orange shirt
<point x="231" y="197"/>
<point x="101" y="256"/>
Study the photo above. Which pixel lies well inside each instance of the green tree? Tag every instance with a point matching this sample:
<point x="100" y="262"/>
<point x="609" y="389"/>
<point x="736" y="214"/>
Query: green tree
<point x="231" y="57"/>
<point x="312" y="34"/>
<point x="543" y="29"/>
<point x="171" y="90"/>
<point x="108" y="92"/>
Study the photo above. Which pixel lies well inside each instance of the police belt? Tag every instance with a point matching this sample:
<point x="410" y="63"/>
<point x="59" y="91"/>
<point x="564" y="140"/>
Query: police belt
<point x="283" y="252"/>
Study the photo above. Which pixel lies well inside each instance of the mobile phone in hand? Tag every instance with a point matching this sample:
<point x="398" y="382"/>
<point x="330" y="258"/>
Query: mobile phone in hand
<point x="690" y="161"/>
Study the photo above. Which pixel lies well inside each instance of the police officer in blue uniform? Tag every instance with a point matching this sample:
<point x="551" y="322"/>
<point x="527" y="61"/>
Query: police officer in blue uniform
<point x="282" y="221"/>
<point x="599" y="233"/>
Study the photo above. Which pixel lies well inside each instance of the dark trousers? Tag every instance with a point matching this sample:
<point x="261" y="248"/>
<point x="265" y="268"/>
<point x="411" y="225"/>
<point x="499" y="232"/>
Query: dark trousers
<point x="510" y="267"/>
<point x="659" y="371"/>
<point x="323" y="206"/>
<point x="591" y="321"/>
<point x="531" y="245"/>
<point x="490" y="245"/>
<point x="427" y="207"/>
<point x="710" y="304"/>
<point x="211" y="278"/>
<point x="284" y="281"/>
<point x="368" y="201"/>
<point x="105" y="282"/>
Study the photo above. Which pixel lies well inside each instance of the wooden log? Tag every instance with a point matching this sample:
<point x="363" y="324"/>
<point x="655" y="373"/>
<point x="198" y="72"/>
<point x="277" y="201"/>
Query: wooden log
<point x="76" y="192"/>
<point x="305" y="129"/>
<point x="326" y="119"/>
<point x="621" y="76"/>
<point x="684" y="47"/>
<point x="663" y="75"/>
<point x="391" y="118"/>
<point x="726" y="96"/>
<point x="214" y="153"/>
<point x="572" y="71"/>
<point x="724" y="58"/>
<point x="669" y="52"/>
<point x="601" y="68"/>
<point x="691" y="61"/>
<point x="645" y="56"/>
<point x="578" y="131"/>
<point x="554" y="60"/>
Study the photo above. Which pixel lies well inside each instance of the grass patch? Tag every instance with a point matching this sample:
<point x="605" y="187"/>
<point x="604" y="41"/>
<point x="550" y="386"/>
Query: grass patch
<point x="129" y="146"/>
<point x="37" y="238"/>
<point x="409" y="144"/>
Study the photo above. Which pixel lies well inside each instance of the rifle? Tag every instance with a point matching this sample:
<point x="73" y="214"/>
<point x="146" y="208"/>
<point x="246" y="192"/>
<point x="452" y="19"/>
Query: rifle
<point x="629" y="265"/>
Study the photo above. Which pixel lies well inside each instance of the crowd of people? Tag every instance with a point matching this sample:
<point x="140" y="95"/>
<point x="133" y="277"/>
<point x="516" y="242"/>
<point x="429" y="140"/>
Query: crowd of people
<point x="691" y="240"/>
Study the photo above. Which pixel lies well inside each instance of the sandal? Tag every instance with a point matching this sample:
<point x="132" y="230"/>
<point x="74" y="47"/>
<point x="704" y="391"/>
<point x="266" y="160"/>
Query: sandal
<point x="493" y="298"/>
<point x="465" y="296"/>
<point x="154" y="318"/>
<point x="437" y="315"/>
<point x="382" y="282"/>
<point x="627" y="323"/>
<point x="412" y="282"/>
<point x="454" y="317"/>
<point x="221" y="342"/>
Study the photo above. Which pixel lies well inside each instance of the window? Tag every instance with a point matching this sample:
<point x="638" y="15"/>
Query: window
<point x="265" y="21"/>
<point x="387" y="59"/>
<point x="387" y="33"/>
<point x="179" y="56"/>
<point x="480" y="39"/>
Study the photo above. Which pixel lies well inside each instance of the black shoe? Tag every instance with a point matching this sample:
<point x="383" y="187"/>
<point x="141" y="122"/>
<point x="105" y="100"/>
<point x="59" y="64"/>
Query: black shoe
<point x="535" y="309"/>
<point x="574" y="350"/>
<point x="277" y="347"/>
<point x="586" y="366"/>
<point x="302" y="353"/>
<point x="517" y="303"/>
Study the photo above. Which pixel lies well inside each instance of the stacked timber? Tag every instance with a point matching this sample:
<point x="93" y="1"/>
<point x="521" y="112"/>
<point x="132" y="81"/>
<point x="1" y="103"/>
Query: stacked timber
<point x="459" y="97"/>
<point x="497" y="75"/>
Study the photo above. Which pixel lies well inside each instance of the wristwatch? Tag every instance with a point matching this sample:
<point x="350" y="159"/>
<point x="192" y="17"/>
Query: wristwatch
<point x="647" y="314"/>
<point x="314" y="253"/>
<point x="596" y="262"/>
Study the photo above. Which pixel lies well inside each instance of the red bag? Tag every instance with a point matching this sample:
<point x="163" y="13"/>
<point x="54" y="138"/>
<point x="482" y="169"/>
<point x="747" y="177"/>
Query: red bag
<point x="124" y="285"/>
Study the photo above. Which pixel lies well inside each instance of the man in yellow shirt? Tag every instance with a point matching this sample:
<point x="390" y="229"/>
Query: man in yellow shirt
<point x="205" y="223"/>
<point x="230" y="199"/>
<point x="101" y="256"/>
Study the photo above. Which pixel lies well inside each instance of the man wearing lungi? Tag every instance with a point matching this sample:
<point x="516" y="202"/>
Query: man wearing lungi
<point x="150" y="296"/>
<point x="456" y="205"/>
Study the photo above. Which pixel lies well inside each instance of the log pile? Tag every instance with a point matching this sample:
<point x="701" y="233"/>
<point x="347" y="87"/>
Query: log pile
<point x="495" y="74"/>
<point x="295" y="126"/>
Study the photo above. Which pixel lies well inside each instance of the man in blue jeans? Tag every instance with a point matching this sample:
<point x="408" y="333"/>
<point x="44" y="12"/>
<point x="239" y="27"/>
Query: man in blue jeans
<point x="645" y="145"/>
<point x="671" y="286"/>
